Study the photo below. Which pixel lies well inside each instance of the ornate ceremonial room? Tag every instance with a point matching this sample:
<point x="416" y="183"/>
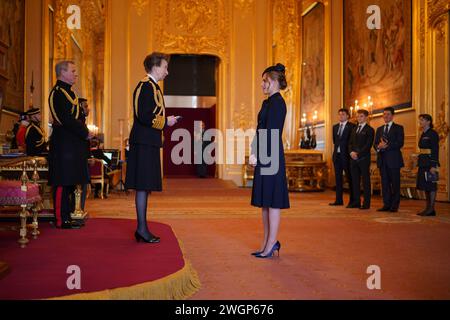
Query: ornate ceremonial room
<point x="97" y="95"/>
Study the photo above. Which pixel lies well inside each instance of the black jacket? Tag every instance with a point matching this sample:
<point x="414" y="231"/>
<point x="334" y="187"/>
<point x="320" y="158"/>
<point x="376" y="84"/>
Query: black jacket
<point x="392" y="155"/>
<point x="362" y="142"/>
<point x="149" y="114"/>
<point x="35" y="140"/>
<point x="429" y="140"/>
<point x="67" y="145"/>
<point x="342" y="141"/>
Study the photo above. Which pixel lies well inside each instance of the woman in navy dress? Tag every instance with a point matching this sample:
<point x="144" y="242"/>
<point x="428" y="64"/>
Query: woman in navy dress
<point x="428" y="162"/>
<point x="270" y="192"/>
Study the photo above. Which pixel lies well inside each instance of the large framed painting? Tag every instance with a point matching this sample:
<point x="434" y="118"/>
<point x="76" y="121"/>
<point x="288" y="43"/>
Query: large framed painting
<point x="378" y="62"/>
<point x="313" y="64"/>
<point x="12" y="52"/>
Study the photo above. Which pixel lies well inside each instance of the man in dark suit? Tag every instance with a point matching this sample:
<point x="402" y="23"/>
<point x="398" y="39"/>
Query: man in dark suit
<point x="361" y="141"/>
<point x="341" y="158"/>
<point x="389" y="141"/>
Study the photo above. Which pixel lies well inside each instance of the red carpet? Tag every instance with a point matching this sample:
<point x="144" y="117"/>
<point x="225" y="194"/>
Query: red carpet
<point x="104" y="249"/>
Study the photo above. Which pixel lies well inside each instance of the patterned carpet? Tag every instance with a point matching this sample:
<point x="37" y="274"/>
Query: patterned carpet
<point x="325" y="251"/>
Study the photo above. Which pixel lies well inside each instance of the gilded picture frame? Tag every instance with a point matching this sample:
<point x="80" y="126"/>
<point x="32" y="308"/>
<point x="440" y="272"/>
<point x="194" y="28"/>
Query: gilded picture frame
<point x="378" y="62"/>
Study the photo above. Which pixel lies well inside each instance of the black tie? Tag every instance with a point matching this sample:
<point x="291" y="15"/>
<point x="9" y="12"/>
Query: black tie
<point x="386" y="130"/>
<point x="340" y="130"/>
<point x="359" y="129"/>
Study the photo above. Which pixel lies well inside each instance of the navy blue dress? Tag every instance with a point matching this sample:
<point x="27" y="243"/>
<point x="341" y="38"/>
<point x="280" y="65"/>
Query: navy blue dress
<point x="270" y="191"/>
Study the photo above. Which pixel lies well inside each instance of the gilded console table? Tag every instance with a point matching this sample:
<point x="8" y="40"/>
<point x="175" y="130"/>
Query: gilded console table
<point x="37" y="169"/>
<point x="306" y="171"/>
<point x="11" y="168"/>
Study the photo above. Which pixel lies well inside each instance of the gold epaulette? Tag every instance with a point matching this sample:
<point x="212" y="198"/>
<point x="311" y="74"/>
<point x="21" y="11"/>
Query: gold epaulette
<point x="159" y="111"/>
<point x="425" y="151"/>
<point x="159" y="122"/>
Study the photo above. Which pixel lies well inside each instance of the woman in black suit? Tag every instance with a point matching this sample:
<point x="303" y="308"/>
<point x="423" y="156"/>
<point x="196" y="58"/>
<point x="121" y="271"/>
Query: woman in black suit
<point x="269" y="184"/>
<point x="428" y="162"/>
<point x="143" y="163"/>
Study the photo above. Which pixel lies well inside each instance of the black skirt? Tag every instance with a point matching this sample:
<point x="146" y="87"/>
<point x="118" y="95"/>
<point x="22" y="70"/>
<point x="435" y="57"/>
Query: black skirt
<point x="270" y="191"/>
<point x="144" y="168"/>
<point x="422" y="183"/>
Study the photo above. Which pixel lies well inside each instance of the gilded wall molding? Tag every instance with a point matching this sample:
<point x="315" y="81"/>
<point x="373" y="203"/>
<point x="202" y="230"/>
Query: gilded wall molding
<point x="422" y="31"/>
<point x="62" y="36"/>
<point x="86" y="47"/>
<point x="193" y="26"/>
<point x="442" y="127"/>
<point x="243" y="117"/>
<point x="437" y="11"/>
<point x="92" y="24"/>
<point x="286" y="35"/>
<point x="436" y="96"/>
<point x="139" y="6"/>
<point x="243" y="6"/>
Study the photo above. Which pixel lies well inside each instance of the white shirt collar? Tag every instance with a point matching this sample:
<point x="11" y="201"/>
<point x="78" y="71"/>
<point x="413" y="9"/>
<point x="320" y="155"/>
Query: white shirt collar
<point x="343" y="123"/>
<point x="389" y="124"/>
<point x="362" y="125"/>
<point x="151" y="77"/>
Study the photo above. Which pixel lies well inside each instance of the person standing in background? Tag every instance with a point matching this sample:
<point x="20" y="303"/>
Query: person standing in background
<point x="67" y="148"/>
<point x="427" y="177"/>
<point x="34" y="136"/>
<point x="360" y="145"/>
<point x="389" y="140"/>
<point x="341" y="159"/>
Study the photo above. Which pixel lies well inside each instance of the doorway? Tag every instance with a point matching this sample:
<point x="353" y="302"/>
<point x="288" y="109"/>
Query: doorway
<point x="190" y="91"/>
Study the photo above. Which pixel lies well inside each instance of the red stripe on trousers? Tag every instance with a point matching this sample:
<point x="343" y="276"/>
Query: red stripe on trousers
<point x="58" y="206"/>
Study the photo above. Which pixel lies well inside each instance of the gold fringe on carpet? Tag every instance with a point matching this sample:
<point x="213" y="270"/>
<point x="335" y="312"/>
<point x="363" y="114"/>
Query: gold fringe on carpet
<point x="178" y="286"/>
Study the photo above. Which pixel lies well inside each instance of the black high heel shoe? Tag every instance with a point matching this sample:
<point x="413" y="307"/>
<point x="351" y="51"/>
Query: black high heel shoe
<point x="257" y="253"/>
<point x="276" y="247"/>
<point x="152" y="238"/>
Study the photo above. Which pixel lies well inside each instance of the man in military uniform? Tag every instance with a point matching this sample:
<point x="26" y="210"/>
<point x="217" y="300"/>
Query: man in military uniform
<point x="67" y="154"/>
<point x="34" y="136"/>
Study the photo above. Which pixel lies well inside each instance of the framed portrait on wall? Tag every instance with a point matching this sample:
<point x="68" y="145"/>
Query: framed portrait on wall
<point x="313" y="62"/>
<point x="378" y="62"/>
